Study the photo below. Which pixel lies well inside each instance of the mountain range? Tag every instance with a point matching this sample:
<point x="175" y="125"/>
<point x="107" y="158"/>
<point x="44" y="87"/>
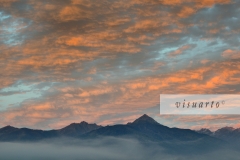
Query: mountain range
<point x="144" y="128"/>
<point x="228" y="134"/>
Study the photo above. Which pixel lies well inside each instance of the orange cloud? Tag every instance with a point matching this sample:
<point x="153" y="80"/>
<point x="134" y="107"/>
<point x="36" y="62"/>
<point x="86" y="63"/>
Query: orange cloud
<point x="132" y="95"/>
<point x="7" y="3"/>
<point x="232" y="54"/>
<point x="186" y="12"/>
<point x="69" y="13"/>
<point x="205" y="61"/>
<point x="209" y="3"/>
<point x="104" y="58"/>
<point x="179" y="50"/>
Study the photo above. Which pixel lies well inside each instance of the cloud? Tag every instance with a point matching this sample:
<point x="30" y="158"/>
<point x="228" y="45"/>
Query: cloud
<point x="113" y="57"/>
<point x="232" y="54"/>
<point x="186" y="12"/>
<point x="180" y="50"/>
<point x="119" y="98"/>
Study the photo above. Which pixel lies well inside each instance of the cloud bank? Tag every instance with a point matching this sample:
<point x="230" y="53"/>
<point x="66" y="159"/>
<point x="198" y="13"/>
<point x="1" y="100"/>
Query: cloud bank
<point x="107" y="62"/>
<point x="105" y="148"/>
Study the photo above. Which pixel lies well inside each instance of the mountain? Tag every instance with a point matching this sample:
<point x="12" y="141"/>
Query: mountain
<point x="10" y="133"/>
<point x="145" y="129"/>
<point x="224" y="133"/>
<point x="77" y="129"/>
<point x="228" y="134"/>
<point x="144" y="119"/>
<point x="205" y="131"/>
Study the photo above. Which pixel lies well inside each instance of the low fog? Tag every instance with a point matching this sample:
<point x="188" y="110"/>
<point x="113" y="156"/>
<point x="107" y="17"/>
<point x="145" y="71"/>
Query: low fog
<point x="104" y="148"/>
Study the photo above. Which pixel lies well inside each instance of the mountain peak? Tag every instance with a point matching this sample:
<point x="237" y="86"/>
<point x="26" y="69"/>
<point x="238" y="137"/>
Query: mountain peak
<point x="228" y="128"/>
<point x="225" y="129"/>
<point x="83" y="122"/>
<point x="145" y="118"/>
<point x="205" y="131"/>
<point x="76" y="129"/>
<point x="8" y="127"/>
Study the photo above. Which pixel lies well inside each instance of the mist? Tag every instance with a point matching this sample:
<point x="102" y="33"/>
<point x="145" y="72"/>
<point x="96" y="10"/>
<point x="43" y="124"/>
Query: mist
<point x="101" y="149"/>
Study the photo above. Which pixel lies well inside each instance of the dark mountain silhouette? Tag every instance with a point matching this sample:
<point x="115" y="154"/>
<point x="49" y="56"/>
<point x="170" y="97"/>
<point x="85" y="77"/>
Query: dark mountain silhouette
<point x="144" y="128"/>
<point x="205" y="131"/>
<point x="77" y="129"/>
<point x="144" y="119"/>
<point x="224" y="132"/>
<point x="10" y="133"/>
<point x="228" y="134"/>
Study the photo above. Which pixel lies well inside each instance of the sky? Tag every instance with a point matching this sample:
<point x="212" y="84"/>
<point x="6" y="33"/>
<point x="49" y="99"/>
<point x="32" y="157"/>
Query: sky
<point x="108" y="61"/>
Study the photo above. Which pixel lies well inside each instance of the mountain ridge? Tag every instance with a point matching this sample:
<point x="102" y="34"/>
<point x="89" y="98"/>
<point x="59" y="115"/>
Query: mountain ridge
<point x="228" y="134"/>
<point x="143" y="128"/>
